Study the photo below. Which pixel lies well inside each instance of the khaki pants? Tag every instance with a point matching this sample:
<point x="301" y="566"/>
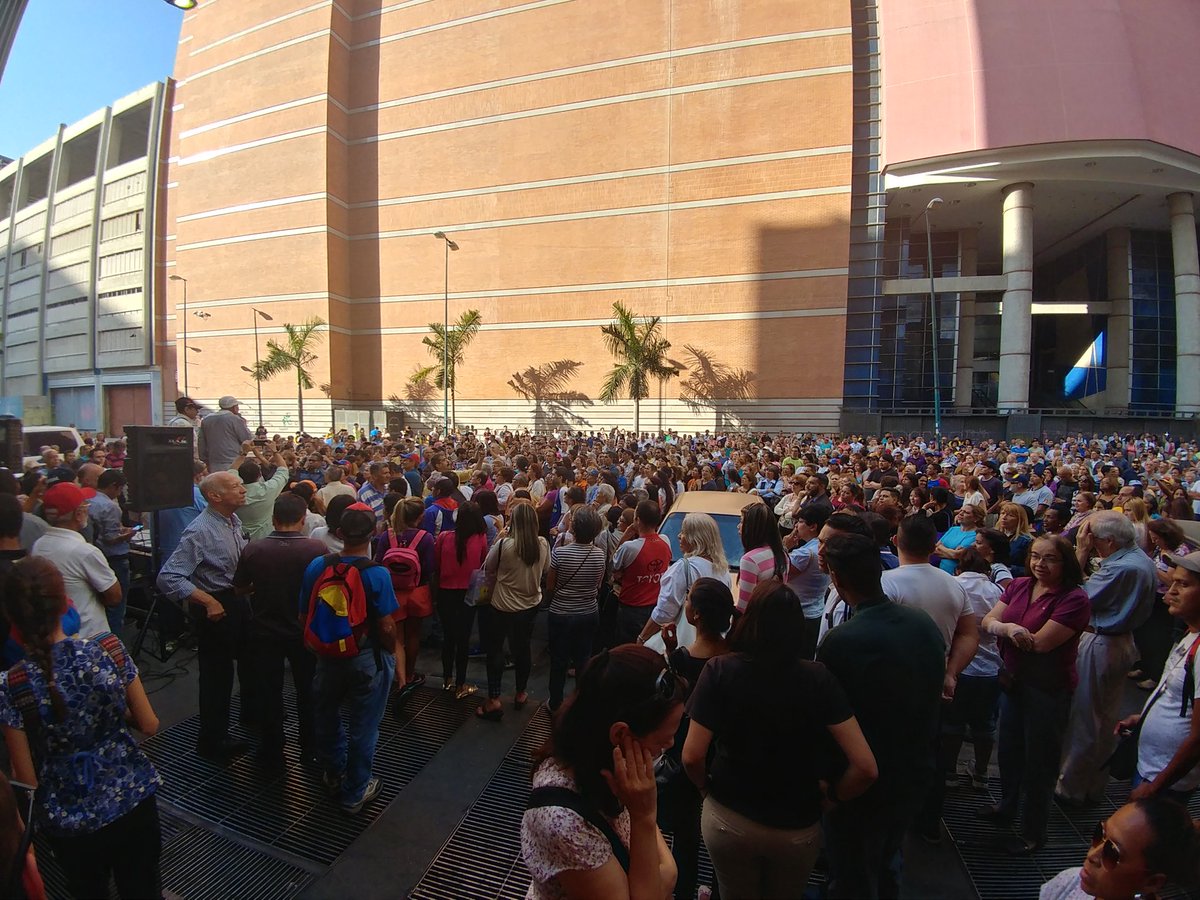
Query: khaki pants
<point x="756" y="861"/>
<point x="1102" y="661"/>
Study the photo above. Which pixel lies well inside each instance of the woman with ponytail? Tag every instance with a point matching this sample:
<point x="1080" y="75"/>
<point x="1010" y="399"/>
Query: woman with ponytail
<point x="64" y="711"/>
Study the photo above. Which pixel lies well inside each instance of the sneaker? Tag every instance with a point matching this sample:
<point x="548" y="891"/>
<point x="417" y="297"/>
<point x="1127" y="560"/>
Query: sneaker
<point x="978" y="782"/>
<point x="952" y="780"/>
<point x="374" y="786"/>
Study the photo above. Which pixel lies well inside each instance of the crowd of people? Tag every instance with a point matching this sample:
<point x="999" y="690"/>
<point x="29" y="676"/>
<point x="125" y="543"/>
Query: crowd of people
<point x="806" y="690"/>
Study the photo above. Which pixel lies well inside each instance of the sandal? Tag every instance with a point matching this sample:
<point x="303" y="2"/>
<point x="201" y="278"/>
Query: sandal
<point x="492" y="715"/>
<point x="465" y="691"/>
<point x="520" y="700"/>
<point x="449" y="687"/>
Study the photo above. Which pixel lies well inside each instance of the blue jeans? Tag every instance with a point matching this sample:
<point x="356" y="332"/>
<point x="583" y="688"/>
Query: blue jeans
<point x="116" y="614"/>
<point x="365" y="685"/>
<point x="570" y="644"/>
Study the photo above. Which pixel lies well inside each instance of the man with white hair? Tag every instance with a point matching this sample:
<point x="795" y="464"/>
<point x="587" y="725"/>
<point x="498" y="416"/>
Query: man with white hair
<point x="222" y="435"/>
<point x="200" y="572"/>
<point x="1122" y="596"/>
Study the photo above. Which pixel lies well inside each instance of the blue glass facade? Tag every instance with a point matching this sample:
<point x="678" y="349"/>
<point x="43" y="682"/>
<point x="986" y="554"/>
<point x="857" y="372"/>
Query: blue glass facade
<point x="1152" y="354"/>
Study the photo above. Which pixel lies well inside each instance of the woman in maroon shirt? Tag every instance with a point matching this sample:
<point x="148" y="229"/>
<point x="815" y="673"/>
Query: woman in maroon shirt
<point x="1038" y="621"/>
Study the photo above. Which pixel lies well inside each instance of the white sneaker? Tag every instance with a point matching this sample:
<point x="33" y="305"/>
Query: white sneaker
<point x="374" y="786"/>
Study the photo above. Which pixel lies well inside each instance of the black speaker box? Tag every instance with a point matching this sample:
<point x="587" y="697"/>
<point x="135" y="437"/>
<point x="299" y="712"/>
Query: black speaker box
<point x="158" y="465"/>
<point x="11" y="453"/>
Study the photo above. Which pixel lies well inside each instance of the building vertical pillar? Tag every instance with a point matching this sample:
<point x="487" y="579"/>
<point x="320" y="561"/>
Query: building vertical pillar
<point x="1119" y="338"/>
<point x="1187" y="303"/>
<point x="1016" y="327"/>
<point x="964" y="371"/>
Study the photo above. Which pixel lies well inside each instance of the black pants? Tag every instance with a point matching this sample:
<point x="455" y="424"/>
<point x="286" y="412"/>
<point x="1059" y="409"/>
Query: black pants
<point x="1153" y="639"/>
<point x="517" y="628"/>
<point x="220" y="645"/>
<point x="457" y="621"/>
<point x="570" y="645"/>
<point x="861" y="843"/>
<point x="263" y="666"/>
<point x="808" y="638"/>
<point x="1033" y="727"/>
<point x="630" y="622"/>
<point x="128" y="850"/>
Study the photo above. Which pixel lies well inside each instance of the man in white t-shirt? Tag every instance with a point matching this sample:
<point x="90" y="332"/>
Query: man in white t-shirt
<point x="88" y="578"/>
<point x="334" y="485"/>
<point x="1169" y="742"/>
<point x="916" y="583"/>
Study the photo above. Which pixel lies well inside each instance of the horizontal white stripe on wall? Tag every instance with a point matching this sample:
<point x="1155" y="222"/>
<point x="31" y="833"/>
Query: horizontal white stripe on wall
<point x="236" y="61"/>
<point x="528" y="185"/>
<point x="610" y="213"/>
<point x="254" y="114"/>
<point x="261" y="236"/>
<point x="748" y="316"/>
<point x="608" y="101"/>
<point x="454" y="23"/>
<point x="206" y="155"/>
<point x="601" y="66"/>
<point x="261" y="25"/>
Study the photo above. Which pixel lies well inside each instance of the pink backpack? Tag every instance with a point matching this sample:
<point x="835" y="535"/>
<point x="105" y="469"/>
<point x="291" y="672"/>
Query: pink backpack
<point x="403" y="562"/>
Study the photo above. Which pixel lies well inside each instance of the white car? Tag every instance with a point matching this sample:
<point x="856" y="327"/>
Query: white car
<point x="35" y="437"/>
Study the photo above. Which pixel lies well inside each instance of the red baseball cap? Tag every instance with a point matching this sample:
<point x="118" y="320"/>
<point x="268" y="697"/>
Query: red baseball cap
<point x="63" y="498"/>
<point x="361" y="506"/>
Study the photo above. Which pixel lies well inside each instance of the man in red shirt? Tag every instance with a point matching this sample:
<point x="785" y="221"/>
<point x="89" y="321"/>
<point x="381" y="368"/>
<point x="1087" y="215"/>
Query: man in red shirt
<point x="641" y="559"/>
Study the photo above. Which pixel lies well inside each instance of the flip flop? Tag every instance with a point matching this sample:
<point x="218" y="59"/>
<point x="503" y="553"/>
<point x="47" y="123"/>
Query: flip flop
<point x="492" y="715"/>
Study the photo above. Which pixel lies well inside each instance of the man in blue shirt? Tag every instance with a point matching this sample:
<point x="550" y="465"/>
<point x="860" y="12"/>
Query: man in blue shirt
<point x="362" y="682"/>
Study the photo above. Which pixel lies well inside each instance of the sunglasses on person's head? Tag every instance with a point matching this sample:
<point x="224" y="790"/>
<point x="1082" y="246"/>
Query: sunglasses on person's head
<point x="1110" y="853"/>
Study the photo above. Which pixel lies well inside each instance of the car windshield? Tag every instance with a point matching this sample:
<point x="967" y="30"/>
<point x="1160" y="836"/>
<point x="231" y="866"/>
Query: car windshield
<point x="36" y="440"/>
<point x="726" y="524"/>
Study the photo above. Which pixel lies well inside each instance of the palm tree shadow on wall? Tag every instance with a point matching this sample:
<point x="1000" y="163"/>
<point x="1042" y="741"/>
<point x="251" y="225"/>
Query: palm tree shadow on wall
<point x="419" y="403"/>
<point x="547" y="386"/>
<point x="714" y="386"/>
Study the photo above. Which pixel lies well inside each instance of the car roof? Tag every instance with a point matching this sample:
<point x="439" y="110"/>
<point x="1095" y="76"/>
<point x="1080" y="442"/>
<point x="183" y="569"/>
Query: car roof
<point x="721" y="503"/>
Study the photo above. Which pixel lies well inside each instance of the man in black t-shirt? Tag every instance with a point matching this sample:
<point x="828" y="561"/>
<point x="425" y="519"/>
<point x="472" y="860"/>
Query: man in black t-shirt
<point x="891" y="661"/>
<point x="11" y="518"/>
<point x="272" y="570"/>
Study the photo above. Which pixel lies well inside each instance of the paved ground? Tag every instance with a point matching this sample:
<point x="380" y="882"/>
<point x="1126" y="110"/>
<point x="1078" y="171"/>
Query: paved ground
<point x="390" y="856"/>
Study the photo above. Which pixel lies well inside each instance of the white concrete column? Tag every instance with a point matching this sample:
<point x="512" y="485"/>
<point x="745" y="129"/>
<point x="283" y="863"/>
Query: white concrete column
<point x="1016" y="329"/>
<point x="964" y="372"/>
<point x="1187" y="304"/>
<point x="1120" y="322"/>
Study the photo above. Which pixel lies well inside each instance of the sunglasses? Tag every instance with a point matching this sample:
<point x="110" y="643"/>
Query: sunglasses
<point x="1110" y="853"/>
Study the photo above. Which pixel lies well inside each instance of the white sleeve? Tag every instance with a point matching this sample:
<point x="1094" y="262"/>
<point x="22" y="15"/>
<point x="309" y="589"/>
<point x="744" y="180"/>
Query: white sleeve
<point x="671" y="593"/>
<point x="99" y="573"/>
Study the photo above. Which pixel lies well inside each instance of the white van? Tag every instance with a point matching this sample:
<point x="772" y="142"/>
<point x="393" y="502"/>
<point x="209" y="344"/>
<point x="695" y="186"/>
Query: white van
<point x="35" y="437"/>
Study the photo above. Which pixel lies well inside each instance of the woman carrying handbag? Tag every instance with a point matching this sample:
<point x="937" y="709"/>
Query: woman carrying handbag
<point x="573" y="581"/>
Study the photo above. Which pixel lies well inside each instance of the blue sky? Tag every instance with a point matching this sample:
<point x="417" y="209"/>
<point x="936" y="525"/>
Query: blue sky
<point x="72" y="57"/>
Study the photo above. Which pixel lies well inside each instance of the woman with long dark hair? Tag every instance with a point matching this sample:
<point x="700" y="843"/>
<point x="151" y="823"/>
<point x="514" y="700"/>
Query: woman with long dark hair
<point x="590" y="829"/>
<point x="516" y="563"/>
<point x="770" y="714"/>
<point x="459" y="553"/>
<point x="66" y="712"/>
<point x="764" y="557"/>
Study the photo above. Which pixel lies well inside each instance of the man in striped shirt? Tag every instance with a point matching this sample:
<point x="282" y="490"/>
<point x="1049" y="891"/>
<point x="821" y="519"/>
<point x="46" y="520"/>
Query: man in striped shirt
<point x="376" y="488"/>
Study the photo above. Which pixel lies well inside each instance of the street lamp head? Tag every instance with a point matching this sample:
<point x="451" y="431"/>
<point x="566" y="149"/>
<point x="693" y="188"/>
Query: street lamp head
<point x="177" y="278"/>
<point x="440" y="235"/>
<point x="195" y="350"/>
<point x="247" y="369"/>
<point x="452" y="245"/>
<point x="263" y="314"/>
<point x="182" y="4"/>
<point x="936" y="201"/>
<point x="201" y="314"/>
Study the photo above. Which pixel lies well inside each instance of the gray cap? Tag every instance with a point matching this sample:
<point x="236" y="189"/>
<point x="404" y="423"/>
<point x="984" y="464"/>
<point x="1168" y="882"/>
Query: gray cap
<point x="228" y="402"/>
<point x="1189" y="561"/>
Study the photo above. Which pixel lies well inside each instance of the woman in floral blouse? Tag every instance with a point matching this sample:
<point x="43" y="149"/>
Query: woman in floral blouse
<point x="64" y="712"/>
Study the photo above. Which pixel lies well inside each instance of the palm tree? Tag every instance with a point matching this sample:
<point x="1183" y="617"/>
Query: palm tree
<point x="295" y="353"/>
<point x="450" y="347"/>
<point x="641" y="355"/>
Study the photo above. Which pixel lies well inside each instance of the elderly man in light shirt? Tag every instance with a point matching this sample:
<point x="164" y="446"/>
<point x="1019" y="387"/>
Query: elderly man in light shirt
<point x="1122" y="593"/>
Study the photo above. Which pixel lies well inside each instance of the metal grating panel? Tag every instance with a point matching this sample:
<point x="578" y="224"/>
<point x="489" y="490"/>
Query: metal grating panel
<point x="290" y="810"/>
<point x="996" y="875"/>
<point x="482" y="858"/>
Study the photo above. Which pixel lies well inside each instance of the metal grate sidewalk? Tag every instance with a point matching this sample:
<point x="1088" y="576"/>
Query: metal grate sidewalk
<point x="289" y="810"/>
<point x="998" y="876"/>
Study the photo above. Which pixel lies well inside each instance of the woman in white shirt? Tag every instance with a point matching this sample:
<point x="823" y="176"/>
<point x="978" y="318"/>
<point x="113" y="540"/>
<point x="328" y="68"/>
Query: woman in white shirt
<point x="703" y="557"/>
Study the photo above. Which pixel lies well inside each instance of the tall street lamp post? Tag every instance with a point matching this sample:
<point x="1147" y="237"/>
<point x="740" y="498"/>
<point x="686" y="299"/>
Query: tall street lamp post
<point x="933" y="326"/>
<point x="257" y="381"/>
<point x="184" y="317"/>
<point x="450" y="245"/>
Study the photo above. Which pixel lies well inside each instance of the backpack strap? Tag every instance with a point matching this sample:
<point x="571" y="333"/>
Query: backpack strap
<point x="568" y="799"/>
<point x="111" y="644"/>
<point x="23" y="697"/>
